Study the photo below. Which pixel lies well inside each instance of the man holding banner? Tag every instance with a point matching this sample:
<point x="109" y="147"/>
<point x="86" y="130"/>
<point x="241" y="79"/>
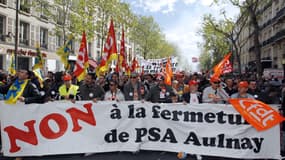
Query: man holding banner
<point x="214" y="93"/>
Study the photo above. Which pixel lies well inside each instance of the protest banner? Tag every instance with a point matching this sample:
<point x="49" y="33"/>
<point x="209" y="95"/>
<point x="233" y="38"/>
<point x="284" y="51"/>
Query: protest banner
<point x="85" y="127"/>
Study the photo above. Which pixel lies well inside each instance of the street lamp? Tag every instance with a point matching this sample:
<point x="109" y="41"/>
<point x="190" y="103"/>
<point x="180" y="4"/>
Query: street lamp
<point x="16" y="34"/>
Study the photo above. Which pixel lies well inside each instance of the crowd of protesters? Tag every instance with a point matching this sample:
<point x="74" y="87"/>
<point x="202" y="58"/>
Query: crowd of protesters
<point x="186" y="88"/>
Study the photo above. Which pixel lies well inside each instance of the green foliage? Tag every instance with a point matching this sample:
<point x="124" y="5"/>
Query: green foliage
<point x="93" y="17"/>
<point x="152" y="44"/>
<point x="215" y="42"/>
<point x="205" y="60"/>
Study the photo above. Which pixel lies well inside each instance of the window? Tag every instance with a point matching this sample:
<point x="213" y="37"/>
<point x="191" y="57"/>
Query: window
<point x="3" y="2"/>
<point x="44" y="38"/>
<point x="60" y="16"/>
<point x="2" y="28"/>
<point x="24" y="33"/>
<point x="25" y="6"/>
<point x="44" y="7"/>
<point x="58" y="41"/>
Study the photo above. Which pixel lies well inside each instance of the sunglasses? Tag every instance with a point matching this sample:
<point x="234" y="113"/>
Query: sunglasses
<point x="216" y="82"/>
<point x="133" y="77"/>
<point x="112" y="84"/>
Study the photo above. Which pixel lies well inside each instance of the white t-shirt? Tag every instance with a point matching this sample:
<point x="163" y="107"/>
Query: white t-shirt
<point x="194" y="98"/>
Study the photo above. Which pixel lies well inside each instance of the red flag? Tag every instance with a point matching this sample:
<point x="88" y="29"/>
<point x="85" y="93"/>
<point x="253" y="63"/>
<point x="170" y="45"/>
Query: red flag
<point x="222" y="66"/>
<point x="168" y="72"/>
<point x="128" y="70"/>
<point x="261" y="116"/>
<point x="135" y="65"/>
<point x="122" y="57"/>
<point x="82" y="64"/>
<point x="194" y="59"/>
<point x="110" y="48"/>
<point x="228" y="67"/>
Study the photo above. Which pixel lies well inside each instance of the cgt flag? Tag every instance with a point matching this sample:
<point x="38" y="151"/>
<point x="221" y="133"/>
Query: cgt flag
<point x="261" y="116"/>
<point x="223" y="67"/>
<point x="82" y="64"/>
<point x="110" y="48"/>
<point x="135" y="65"/>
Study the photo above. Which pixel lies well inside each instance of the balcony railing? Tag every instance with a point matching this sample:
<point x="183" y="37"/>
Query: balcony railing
<point x="278" y="36"/>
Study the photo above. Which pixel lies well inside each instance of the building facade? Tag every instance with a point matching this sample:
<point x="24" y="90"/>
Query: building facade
<point x="272" y="37"/>
<point x="36" y="28"/>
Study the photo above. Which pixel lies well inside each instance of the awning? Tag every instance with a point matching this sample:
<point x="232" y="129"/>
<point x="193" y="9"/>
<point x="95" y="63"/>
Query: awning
<point x="92" y="63"/>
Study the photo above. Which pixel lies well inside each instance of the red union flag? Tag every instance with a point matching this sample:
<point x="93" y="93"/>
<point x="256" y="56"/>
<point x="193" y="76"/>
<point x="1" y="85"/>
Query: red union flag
<point x="228" y="68"/>
<point x="261" y="116"/>
<point x="194" y="59"/>
<point x="223" y="67"/>
<point x="82" y="64"/>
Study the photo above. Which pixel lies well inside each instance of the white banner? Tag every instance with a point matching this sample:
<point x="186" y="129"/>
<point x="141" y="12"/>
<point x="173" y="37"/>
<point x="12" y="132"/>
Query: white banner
<point x="85" y="127"/>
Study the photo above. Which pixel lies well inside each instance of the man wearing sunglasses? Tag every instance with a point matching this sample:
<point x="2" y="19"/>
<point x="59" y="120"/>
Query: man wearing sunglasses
<point x="114" y="94"/>
<point x="133" y="89"/>
<point x="215" y="93"/>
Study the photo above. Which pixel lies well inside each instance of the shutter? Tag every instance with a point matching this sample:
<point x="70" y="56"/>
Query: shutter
<point x="37" y="39"/>
<point x="32" y="35"/>
<point x="50" y="38"/>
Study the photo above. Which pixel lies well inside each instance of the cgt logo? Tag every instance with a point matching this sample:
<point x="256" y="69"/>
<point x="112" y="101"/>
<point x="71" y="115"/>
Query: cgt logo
<point x="260" y="115"/>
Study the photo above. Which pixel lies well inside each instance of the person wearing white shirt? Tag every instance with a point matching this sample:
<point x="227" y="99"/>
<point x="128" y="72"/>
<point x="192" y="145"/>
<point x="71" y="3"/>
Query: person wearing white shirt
<point x="114" y="94"/>
<point x="215" y="93"/>
<point x="193" y="96"/>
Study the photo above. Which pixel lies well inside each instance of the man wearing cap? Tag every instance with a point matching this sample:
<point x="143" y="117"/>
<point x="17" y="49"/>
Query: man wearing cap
<point x="193" y="96"/>
<point x="22" y="89"/>
<point x="161" y="93"/>
<point x="89" y="90"/>
<point x="68" y="91"/>
<point x="242" y="91"/>
<point x="133" y="89"/>
<point x="214" y="93"/>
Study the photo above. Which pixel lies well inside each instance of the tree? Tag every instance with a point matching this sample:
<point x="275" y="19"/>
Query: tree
<point x="231" y="31"/>
<point x="152" y="44"/>
<point x="205" y="60"/>
<point x="249" y="9"/>
<point x="215" y="43"/>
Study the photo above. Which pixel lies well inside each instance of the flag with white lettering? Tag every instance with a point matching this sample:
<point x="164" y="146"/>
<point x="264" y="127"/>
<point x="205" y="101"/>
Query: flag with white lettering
<point x="260" y="115"/>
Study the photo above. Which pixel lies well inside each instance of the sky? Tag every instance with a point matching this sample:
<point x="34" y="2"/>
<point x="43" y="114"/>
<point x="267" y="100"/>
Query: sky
<point x="180" y="20"/>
